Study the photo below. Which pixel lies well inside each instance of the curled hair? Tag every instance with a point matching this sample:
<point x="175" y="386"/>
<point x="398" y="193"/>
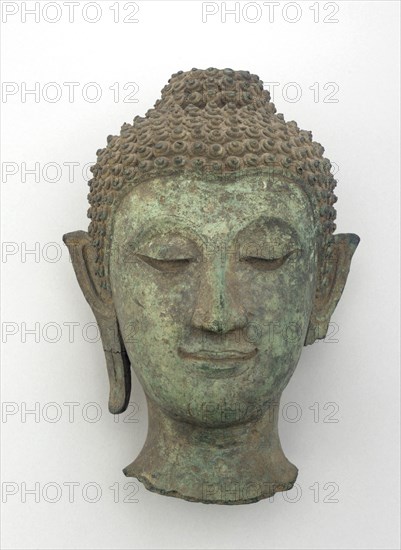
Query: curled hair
<point x="208" y="123"/>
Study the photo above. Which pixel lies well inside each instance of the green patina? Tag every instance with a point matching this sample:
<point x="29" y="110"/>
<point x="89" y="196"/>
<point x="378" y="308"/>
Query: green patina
<point x="209" y="286"/>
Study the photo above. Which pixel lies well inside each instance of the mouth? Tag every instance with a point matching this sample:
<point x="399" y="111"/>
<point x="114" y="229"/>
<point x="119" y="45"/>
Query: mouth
<point x="219" y="364"/>
<point x="226" y="355"/>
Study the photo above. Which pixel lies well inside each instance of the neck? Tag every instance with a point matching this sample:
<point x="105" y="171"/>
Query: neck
<point x="226" y="465"/>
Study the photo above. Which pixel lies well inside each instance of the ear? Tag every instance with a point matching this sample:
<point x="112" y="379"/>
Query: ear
<point x="83" y="256"/>
<point x="338" y="262"/>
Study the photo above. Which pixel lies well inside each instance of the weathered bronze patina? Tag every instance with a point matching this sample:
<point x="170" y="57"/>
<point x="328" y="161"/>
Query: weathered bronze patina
<point x="210" y="261"/>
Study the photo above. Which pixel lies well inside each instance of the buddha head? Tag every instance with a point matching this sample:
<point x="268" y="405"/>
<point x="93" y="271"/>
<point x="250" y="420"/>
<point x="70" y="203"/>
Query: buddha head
<point x="210" y="261"/>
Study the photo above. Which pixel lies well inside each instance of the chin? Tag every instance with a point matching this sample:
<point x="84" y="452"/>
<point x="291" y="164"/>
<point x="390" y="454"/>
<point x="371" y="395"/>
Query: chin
<point x="231" y="404"/>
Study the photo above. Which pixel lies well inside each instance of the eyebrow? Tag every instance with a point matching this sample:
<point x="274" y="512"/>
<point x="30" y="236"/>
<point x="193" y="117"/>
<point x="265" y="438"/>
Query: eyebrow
<point x="273" y="222"/>
<point x="145" y="233"/>
<point x="180" y="226"/>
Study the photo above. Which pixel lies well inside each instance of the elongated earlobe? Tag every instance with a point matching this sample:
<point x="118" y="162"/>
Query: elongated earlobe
<point x="328" y="296"/>
<point x="83" y="255"/>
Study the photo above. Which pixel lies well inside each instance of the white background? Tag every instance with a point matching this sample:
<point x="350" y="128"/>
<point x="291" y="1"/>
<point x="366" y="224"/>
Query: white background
<point x="357" y="368"/>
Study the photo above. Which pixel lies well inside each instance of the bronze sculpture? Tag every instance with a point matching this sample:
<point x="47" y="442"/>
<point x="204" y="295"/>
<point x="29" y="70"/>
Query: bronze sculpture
<point x="209" y="262"/>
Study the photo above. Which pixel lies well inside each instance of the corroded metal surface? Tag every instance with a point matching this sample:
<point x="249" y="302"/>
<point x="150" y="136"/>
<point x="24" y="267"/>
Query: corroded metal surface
<point x="210" y="262"/>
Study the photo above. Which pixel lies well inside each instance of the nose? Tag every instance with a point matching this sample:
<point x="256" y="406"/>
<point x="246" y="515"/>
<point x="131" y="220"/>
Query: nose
<point x="216" y="309"/>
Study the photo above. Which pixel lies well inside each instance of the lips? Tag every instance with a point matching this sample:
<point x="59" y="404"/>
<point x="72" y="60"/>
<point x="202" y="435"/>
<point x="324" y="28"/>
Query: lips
<point x="218" y="355"/>
<point x="217" y="363"/>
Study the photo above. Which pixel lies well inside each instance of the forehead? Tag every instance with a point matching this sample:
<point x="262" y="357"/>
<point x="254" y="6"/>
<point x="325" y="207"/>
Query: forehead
<point x="214" y="208"/>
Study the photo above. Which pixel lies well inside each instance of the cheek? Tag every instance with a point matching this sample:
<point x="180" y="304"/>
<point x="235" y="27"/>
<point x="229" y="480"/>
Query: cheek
<point x="279" y="304"/>
<point x="281" y="325"/>
<point x="278" y="294"/>
<point x="155" y="303"/>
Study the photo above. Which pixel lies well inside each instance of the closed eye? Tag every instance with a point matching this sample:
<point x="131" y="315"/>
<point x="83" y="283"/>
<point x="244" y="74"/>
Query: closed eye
<point x="167" y="266"/>
<point x="266" y="264"/>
